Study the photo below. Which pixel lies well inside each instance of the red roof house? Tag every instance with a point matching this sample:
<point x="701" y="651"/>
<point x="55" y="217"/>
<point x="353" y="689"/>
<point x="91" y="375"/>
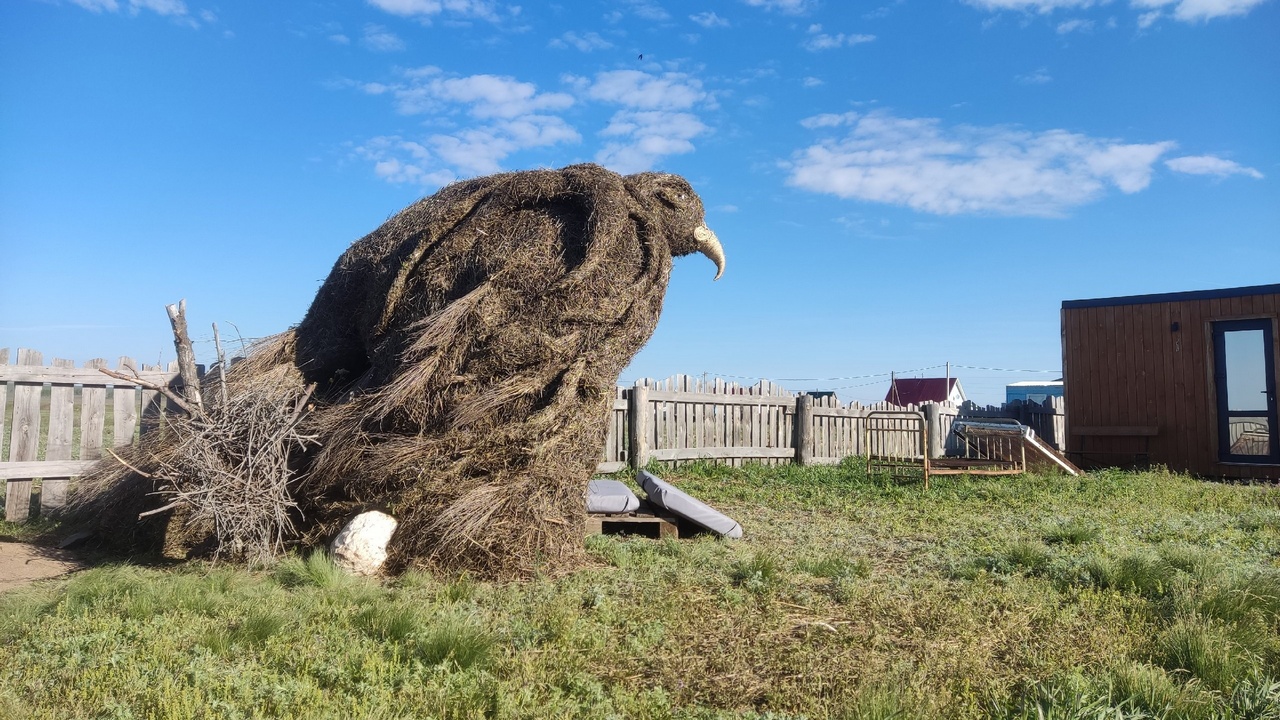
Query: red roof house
<point x="913" y="391"/>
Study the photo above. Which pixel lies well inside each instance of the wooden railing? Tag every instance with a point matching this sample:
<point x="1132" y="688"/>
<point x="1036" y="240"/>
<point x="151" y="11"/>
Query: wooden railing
<point x="684" y="418"/>
<point x="63" y="418"/>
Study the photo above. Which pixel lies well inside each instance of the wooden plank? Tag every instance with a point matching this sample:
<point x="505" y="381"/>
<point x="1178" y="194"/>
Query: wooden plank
<point x="43" y="468"/>
<point x="1200" y="428"/>
<point x="61" y="418"/>
<point x="124" y="407"/>
<point x="703" y="397"/>
<point x="681" y="413"/>
<point x="1174" y="382"/>
<point x="664" y="526"/>
<point x="4" y="397"/>
<point x="93" y="415"/>
<point x="1117" y="430"/>
<point x="153" y="406"/>
<point x="1126" y="369"/>
<point x="24" y="442"/>
<point x="722" y="453"/>
<point x="53" y="489"/>
<point x="75" y="376"/>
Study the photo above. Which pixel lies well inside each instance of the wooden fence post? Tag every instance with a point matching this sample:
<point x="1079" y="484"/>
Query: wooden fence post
<point x="933" y="420"/>
<point x="804" y="429"/>
<point x="638" y="413"/>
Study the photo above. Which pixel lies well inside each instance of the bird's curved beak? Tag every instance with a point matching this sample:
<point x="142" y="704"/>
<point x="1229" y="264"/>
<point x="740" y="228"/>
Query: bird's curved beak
<point x="709" y="245"/>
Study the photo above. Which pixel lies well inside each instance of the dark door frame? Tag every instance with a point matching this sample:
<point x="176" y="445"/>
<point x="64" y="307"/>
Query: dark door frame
<point x="1220" y="328"/>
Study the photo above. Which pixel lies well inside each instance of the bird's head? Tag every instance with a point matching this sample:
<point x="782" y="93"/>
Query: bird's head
<point x="672" y="202"/>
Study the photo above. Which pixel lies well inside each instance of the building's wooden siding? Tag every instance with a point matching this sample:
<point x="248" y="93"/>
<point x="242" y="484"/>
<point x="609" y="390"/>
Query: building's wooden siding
<point x="1124" y="366"/>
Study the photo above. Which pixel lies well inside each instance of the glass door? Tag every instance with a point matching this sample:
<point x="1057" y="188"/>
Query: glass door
<point x="1244" y="372"/>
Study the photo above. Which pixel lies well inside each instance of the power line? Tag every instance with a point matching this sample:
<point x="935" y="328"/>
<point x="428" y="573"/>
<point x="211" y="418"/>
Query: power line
<point x="976" y="367"/>
<point x="869" y="376"/>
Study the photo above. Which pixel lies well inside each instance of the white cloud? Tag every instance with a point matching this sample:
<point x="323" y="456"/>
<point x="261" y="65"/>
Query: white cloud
<point x="585" y="43"/>
<point x="480" y="150"/>
<point x="919" y="163"/>
<point x="709" y="20"/>
<point x="401" y="161"/>
<point x="794" y="7"/>
<point x="427" y="90"/>
<point x="98" y="6"/>
<point x="819" y="40"/>
<point x="1200" y="10"/>
<point x="1210" y="165"/>
<point x="638" y="89"/>
<point x="175" y="10"/>
<point x="507" y="116"/>
<point x="656" y="119"/>
<point x="425" y="9"/>
<point x="1184" y="10"/>
<point x="648" y="10"/>
<point x="1041" y="6"/>
<point x="1039" y="76"/>
<point x="811" y="82"/>
<point x="826" y="120"/>
<point x="340" y="39"/>
<point x="379" y="39"/>
<point x="171" y="8"/>
<point x="497" y="96"/>
<point x="1076" y="25"/>
<point x="647" y="136"/>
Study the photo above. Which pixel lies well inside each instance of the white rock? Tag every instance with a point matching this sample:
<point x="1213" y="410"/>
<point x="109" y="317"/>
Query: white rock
<point x="361" y="547"/>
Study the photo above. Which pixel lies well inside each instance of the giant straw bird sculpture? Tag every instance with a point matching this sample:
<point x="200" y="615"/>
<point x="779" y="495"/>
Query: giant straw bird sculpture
<point x="465" y="356"/>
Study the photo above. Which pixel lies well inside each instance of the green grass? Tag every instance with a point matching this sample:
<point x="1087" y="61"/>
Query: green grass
<point x="1110" y="595"/>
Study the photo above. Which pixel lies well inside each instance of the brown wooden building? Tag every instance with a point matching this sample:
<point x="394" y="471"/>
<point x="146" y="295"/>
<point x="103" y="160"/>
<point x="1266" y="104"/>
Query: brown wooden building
<point x="1186" y="380"/>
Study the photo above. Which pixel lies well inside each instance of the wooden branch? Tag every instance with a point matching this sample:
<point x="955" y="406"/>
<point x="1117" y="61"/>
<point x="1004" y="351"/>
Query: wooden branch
<point x="222" y="366"/>
<point x="300" y="406"/>
<point x="186" y="356"/>
<point x="122" y="462"/>
<point x="170" y="506"/>
<point x="182" y="405"/>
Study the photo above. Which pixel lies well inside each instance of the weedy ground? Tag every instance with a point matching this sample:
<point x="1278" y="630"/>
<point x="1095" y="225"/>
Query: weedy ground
<point x="1117" y="595"/>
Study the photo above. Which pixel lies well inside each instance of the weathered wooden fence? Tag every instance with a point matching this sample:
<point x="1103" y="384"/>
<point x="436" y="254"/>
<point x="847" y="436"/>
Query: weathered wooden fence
<point x="1048" y="418"/>
<point x="684" y="418"/>
<point x="57" y="420"/>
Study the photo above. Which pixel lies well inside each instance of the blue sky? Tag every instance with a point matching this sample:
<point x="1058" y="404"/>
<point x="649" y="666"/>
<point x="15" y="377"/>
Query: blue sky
<point x="897" y="184"/>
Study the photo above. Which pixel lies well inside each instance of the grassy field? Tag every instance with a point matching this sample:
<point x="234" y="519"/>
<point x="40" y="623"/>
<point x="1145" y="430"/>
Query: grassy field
<point x="1110" y="595"/>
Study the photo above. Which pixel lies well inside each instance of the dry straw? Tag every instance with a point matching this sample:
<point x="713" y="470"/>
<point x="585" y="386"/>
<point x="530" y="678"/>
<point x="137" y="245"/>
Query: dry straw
<point x="465" y="355"/>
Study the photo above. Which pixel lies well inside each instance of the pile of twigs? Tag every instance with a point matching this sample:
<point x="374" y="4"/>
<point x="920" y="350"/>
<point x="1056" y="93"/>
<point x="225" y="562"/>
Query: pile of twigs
<point x="229" y="470"/>
<point x="220" y="468"/>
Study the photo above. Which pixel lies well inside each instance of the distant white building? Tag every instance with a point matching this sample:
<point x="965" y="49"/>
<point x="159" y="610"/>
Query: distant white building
<point x="1034" y="390"/>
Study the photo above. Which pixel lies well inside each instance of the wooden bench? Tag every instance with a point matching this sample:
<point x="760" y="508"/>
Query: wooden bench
<point x="1141" y="432"/>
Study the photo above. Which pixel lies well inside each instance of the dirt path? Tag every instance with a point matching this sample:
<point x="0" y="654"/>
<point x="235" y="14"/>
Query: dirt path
<point x="22" y="564"/>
